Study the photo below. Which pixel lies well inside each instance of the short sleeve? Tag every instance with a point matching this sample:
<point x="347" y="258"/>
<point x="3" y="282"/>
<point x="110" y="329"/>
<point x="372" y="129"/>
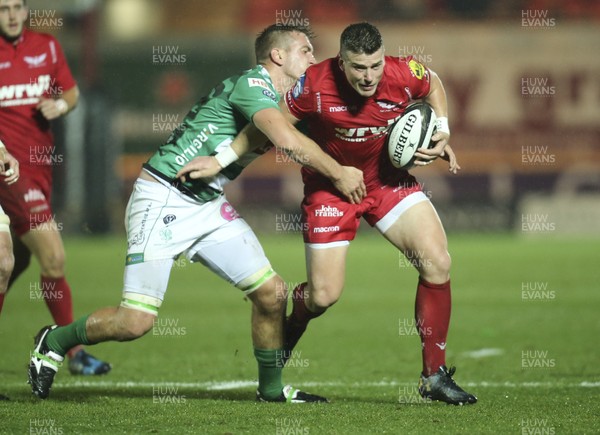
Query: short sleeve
<point x="299" y="99"/>
<point x="251" y="95"/>
<point x="62" y="72"/>
<point x="419" y="77"/>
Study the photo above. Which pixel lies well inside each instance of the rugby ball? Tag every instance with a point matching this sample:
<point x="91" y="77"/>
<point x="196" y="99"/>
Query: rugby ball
<point x="412" y="131"/>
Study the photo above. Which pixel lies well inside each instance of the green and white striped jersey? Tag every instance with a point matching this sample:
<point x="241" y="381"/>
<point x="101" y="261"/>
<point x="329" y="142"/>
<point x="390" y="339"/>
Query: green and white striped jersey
<point x="211" y="125"/>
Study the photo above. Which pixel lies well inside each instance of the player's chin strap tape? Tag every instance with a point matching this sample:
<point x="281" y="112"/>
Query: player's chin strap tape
<point x="4" y="223"/>
<point x="254" y="281"/>
<point x="137" y="301"/>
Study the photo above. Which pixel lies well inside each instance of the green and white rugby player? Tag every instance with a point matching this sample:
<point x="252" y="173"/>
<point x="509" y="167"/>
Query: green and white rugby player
<point x="167" y="217"/>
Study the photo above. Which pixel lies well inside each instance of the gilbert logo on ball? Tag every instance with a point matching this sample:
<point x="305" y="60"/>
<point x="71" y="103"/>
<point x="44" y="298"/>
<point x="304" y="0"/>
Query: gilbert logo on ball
<point x="412" y="131"/>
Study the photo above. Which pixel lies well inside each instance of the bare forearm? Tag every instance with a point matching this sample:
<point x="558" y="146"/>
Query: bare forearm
<point x="71" y="97"/>
<point x="437" y="96"/>
<point x="309" y="154"/>
<point x="248" y="140"/>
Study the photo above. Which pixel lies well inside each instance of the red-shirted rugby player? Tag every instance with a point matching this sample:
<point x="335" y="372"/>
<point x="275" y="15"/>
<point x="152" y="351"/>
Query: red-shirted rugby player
<point x="36" y="86"/>
<point x="349" y="103"/>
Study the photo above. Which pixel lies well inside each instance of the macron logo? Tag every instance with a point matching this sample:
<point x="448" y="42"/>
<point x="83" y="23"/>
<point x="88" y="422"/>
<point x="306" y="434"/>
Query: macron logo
<point x="441" y="345"/>
<point x="338" y="109"/>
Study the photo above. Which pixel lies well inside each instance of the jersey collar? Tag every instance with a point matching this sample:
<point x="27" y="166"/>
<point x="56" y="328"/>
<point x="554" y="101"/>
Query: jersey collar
<point x="263" y="72"/>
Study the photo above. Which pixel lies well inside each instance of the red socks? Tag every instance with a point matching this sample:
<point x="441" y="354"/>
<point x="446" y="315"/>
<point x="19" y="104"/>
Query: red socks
<point x="297" y="322"/>
<point x="57" y="295"/>
<point x="432" y="315"/>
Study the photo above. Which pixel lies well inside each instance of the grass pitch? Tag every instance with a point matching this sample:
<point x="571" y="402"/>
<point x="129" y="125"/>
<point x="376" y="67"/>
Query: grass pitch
<point x="524" y="336"/>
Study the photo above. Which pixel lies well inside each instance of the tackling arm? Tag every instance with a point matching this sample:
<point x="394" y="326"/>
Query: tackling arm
<point x="279" y="130"/>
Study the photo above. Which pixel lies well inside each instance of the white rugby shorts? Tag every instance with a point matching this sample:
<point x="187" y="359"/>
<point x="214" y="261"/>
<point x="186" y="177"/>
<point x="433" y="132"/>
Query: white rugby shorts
<point x="163" y="223"/>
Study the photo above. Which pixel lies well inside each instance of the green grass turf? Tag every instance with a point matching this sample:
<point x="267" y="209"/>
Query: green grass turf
<point x="362" y="355"/>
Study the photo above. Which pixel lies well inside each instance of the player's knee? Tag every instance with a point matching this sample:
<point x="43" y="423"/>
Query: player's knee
<point x="134" y="324"/>
<point x="7" y="263"/>
<point x="323" y="296"/>
<point x="53" y="263"/>
<point x="439" y="269"/>
<point x="271" y="297"/>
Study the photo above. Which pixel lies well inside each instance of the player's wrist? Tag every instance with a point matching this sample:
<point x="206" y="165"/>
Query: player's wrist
<point x="226" y="157"/>
<point x="441" y="125"/>
<point x="61" y="105"/>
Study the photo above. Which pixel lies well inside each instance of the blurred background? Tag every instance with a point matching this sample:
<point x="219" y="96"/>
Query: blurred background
<point x="522" y="78"/>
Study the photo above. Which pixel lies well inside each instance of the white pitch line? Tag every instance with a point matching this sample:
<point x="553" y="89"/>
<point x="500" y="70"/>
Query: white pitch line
<point x="483" y="353"/>
<point x="239" y="384"/>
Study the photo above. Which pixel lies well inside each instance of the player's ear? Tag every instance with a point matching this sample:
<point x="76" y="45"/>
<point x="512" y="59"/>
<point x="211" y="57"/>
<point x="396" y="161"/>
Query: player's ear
<point x="277" y="56"/>
<point x="341" y="63"/>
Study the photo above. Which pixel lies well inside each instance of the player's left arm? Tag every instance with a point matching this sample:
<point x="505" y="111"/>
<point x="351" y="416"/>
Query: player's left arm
<point x="52" y="108"/>
<point x="437" y="99"/>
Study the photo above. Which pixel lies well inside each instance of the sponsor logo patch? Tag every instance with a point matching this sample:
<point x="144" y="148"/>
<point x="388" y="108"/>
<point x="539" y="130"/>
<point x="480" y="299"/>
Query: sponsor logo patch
<point x="269" y="94"/>
<point x="169" y="218"/>
<point x="228" y="212"/>
<point x="258" y="82"/>
<point x="134" y="258"/>
<point x="299" y="87"/>
<point x="417" y="69"/>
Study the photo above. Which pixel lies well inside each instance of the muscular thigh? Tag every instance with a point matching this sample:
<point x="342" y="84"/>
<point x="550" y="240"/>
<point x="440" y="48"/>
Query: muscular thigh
<point x="419" y="234"/>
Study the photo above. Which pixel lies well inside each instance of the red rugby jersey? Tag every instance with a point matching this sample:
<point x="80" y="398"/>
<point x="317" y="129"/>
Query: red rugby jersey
<point x="351" y="128"/>
<point x="35" y="67"/>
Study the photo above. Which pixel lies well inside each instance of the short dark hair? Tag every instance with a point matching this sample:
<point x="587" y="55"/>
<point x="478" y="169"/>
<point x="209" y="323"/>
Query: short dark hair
<point x="266" y="39"/>
<point x="361" y="38"/>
